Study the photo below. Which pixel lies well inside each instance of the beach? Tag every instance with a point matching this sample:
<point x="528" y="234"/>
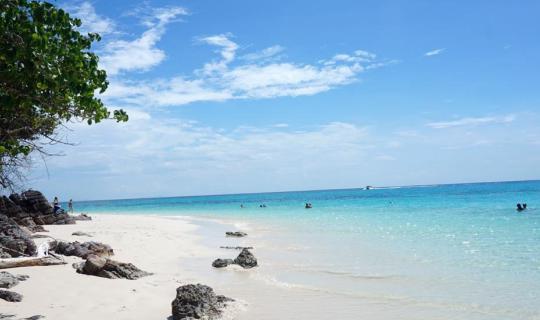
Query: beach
<point x="154" y="244"/>
<point x="435" y="252"/>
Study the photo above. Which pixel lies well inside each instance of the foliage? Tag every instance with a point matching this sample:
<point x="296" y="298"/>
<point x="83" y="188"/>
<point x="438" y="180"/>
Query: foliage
<point x="48" y="76"/>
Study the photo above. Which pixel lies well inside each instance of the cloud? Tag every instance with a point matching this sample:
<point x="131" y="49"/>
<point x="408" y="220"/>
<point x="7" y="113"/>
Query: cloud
<point x="227" y="50"/>
<point x="359" y="56"/>
<point x="139" y="54"/>
<point x="254" y="75"/>
<point x="146" y="147"/>
<point x="263" y="54"/>
<point x="225" y="79"/>
<point x="91" y="21"/>
<point x="471" y="122"/>
<point x="434" y="52"/>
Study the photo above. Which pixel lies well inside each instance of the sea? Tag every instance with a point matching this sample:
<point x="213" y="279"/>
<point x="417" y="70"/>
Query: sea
<point x="455" y="251"/>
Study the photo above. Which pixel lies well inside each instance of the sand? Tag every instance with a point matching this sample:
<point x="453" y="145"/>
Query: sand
<point x="155" y="244"/>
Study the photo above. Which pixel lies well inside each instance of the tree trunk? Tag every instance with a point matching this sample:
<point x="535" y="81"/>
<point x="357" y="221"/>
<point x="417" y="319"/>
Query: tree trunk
<point x="29" y="262"/>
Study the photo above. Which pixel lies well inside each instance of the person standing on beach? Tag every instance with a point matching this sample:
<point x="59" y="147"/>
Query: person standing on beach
<point x="70" y="205"/>
<point x="56" y="205"/>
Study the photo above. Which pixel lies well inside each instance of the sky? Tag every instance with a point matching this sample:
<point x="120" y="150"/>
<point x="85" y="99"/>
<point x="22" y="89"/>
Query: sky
<point x="252" y="96"/>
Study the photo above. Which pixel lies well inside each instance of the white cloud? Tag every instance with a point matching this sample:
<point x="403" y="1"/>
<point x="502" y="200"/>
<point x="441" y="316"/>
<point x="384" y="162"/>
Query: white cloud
<point x="91" y="21"/>
<point x="141" y="53"/>
<point x="434" y="52"/>
<point x="254" y="75"/>
<point x="263" y="54"/>
<point x="226" y="79"/>
<point x="471" y="122"/>
<point x="359" y="56"/>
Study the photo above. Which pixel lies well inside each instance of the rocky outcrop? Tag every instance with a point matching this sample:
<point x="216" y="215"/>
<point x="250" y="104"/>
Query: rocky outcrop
<point x="32" y="210"/>
<point x="14" y="241"/>
<point x="10" y="296"/>
<point x="7" y="280"/>
<point x="237" y="234"/>
<point x="245" y="259"/>
<point x="197" y="301"/>
<point x="83" y="250"/>
<point x="107" y="268"/>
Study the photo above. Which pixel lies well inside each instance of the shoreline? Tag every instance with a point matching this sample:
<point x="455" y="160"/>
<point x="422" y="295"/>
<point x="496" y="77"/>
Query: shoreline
<point x="287" y="284"/>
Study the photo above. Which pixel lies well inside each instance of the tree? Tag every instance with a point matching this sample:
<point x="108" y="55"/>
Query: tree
<point x="48" y="77"/>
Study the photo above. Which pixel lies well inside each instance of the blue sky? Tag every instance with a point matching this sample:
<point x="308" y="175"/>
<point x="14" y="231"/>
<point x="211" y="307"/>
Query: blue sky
<point x="246" y="96"/>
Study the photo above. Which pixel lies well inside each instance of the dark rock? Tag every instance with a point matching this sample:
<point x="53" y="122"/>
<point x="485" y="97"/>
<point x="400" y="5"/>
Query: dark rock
<point x="81" y="234"/>
<point x="246" y="259"/>
<point x="10" y="296"/>
<point x="93" y="264"/>
<point x="221" y="263"/>
<point x="197" y="301"/>
<point x="82" y="217"/>
<point x="30" y="224"/>
<point x="7" y="280"/>
<point x="32" y="210"/>
<point x="238" y="234"/>
<point x="12" y="317"/>
<point x="14" y="242"/>
<point x="107" y="268"/>
<point x="83" y="249"/>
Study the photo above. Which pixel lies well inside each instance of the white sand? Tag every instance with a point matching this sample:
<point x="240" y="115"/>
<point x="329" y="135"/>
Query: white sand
<point x="154" y="244"/>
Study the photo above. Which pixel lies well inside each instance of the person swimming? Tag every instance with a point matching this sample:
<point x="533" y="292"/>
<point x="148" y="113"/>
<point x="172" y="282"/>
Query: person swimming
<point x="308" y="205"/>
<point x="520" y="207"/>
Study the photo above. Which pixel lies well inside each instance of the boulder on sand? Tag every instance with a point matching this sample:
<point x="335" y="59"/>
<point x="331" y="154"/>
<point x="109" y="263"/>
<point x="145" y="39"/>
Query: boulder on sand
<point x="83" y="249"/>
<point x="246" y="259"/>
<point x="7" y="280"/>
<point x="82" y="217"/>
<point x="197" y="301"/>
<point x="81" y="234"/>
<point x="14" y="242"/>
<point x="238" y="234"/>
<point x="110" y="269"/>
<point x="222" y="263"/>
<point x="10" y="296"/>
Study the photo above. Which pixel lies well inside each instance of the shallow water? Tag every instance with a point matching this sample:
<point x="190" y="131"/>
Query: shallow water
<point x="438" y="252"/>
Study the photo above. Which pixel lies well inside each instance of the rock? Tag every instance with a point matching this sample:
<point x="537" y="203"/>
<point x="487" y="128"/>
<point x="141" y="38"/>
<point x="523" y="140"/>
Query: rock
<point x="246" y="259"/>
<point x="235" y="248"/>
<point x="12" y="317"/>
<point x="221" y="263"/>
<point x="83" y="249"/>
<point x="32" y="210"/>
<point x="238" y="234"/>
<point x="197" y="301"/>
<point x="82" y="217"/>
<point x="93" y="264"/>
<point x="10" y="296"/>
<point x="14" y="241"/>
<point x="7" y="280"/>
<point x="81" y="234"/>
<point x="29" y="223"/>
<point x="107" y="268"/>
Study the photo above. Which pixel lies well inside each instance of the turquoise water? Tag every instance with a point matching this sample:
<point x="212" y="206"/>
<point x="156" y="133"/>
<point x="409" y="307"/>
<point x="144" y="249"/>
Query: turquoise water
<point x="460" y="248"/>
